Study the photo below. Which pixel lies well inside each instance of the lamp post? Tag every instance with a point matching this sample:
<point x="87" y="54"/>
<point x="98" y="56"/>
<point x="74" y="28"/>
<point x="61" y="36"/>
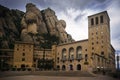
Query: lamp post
<point x="117" y="62"/>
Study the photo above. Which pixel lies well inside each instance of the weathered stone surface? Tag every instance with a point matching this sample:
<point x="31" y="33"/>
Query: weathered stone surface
<point x="62" y="33"/>
<point x="32" y="26"/>
<point x="9" y="26"/>
<point x="25" y="36"/>
<point x="32" y="22"/>
<point x="50" y="20"/>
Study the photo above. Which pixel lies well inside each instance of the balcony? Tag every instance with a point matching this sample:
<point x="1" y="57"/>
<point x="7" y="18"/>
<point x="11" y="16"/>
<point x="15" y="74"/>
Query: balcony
<point x="63" y="59"/>
<point x="70" y="59"/>
<point x="79" y="58"/>
<point x="86" y="63"/>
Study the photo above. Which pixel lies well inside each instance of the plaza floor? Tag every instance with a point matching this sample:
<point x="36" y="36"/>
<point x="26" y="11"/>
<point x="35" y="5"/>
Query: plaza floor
<point x="52" y="76"/>
<point x="34" y="77"/>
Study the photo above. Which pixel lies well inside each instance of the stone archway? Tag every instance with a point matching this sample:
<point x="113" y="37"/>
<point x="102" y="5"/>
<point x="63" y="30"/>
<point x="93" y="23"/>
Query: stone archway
<point x="63" y="67"/>
<point x="71" y="67"/>
<point x="23" y="66"/>
<point x="78" y="67"/>
<point x="58" y="67"/>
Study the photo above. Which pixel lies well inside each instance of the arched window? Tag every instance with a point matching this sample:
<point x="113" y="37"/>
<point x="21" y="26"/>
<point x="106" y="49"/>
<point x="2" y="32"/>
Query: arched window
<point x="79" y="52"/>
<point x="64" y="54"/>
<point x="71" y="53"/>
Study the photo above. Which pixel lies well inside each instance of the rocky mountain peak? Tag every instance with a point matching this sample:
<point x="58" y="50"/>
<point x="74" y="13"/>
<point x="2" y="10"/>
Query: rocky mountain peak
<point x="32" y="26"/>
<point x="9" y="26"/>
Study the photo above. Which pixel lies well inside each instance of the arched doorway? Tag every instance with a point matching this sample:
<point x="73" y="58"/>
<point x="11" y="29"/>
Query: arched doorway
<point x="78" y="67"/>
<point x="71" y="67"/>
<point x="23" y="66"/>
<point x="58" y="67"/>
<point x="63" y="67"/>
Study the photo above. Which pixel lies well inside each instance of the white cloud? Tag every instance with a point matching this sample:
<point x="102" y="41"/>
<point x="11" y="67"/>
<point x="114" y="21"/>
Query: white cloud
<point x="75" y="13"/>
<point x="78" y="29"/>
<point x="114" y="12"/>
<point x="116" y="43"/>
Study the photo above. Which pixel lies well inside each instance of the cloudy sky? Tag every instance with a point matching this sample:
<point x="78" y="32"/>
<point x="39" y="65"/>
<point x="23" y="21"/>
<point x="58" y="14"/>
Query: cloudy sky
<point x="75" y="13"/>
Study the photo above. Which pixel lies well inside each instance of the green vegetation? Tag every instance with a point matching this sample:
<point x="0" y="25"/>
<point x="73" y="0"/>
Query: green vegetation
<point x="50" y="40"/>
<point x="45" y="64"/>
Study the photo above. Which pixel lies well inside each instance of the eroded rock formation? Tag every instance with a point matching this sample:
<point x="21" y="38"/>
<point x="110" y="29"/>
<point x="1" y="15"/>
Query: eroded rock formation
<point x="32" y="26"/>
<point x="42" y="22"/>
<point x="10" y="26"/>
<point x="32" y="23"/>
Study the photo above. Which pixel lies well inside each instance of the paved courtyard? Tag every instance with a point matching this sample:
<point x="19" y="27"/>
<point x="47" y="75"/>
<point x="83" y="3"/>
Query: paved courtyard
<point x="34" y="77"/>
<point x="52" y="76"/>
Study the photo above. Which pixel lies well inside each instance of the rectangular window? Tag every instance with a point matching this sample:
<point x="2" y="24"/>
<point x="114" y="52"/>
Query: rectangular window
<point x="86" y="57"/>
<point x="23" y="54"/>
<point x="96" y="19"/>
<point x="58" y="58"/>
<point x="92" y="43"/>
<point x="102" y="46"/>
<point x="17" y="49"/>
<point x="102" y="53"/>
<point x="23" y="49"/>
<point x="23" y="59"/>
<point x="92" y="21"/>
<point x="101" y="19"/>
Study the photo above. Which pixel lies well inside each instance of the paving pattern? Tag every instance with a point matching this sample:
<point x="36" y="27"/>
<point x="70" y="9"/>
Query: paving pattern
<point x="33" y="77"/>
<point x="47" y="76"/>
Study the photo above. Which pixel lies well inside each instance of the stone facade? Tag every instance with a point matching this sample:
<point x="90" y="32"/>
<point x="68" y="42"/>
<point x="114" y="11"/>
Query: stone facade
<point x="95" y="54"/>
<point x="28" y="57"/>
<point x="72" y="56"/>
<point x="100" y="49"/>
<point x="39" y="55"/>
<point x="35" y="23"/>
<point x="23" y="55"/>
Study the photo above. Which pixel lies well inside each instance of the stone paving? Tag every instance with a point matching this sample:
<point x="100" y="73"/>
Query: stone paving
<point x="34" y="77"/>
<point x="47" y="73"/>
<point x="52" y="76"/>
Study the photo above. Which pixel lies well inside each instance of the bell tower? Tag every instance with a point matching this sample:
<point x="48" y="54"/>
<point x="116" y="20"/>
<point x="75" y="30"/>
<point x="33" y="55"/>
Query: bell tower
<point x="99" y="39"/>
